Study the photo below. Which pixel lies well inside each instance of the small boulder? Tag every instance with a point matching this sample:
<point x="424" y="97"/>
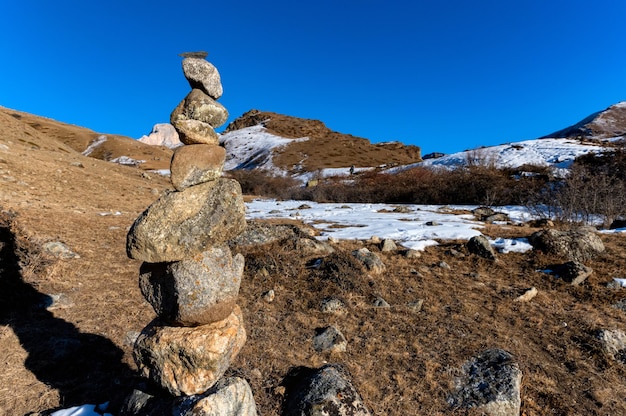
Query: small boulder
<point x="490" y="382"/>
<point x="199" y="106"/>
<point x="332" y="305"/>
<point x="614" y="343"/>
<point x="183" y="224"/>
<point x="527" y="296"/>
<point x="572" y="272"/>
<point x="189" y="360"/>
<point x="329" y="339"/>
<point x="196" y="164"/>
<point x="480" y="246"/>
<point x="371" y="261"/>
<point x="388" y="245"/>
<point x="231" y="396"/>
<point x="202" y="75"/>
<point x="195" y="291"/>
<point x="324" y="391"/>
<point x="578" y="244"/>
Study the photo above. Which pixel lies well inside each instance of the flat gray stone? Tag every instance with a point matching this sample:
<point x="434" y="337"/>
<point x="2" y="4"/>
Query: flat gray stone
<point x="231" y="396"/>
<point x="196" y="164"/>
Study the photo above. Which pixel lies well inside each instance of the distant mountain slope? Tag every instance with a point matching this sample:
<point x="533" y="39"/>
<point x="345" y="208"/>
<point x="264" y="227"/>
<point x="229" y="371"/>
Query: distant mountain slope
<point x="42" y="131"/>
<point x="601" y="125"/>
<point x="555" y="153"/>
<point x="272" y="141"/>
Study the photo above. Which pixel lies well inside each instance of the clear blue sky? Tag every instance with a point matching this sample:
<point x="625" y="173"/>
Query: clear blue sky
<point x="444" y="75"/>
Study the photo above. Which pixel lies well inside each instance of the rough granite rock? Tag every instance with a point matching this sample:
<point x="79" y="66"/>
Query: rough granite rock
<point x="329" y="339"/>
<point x="199" y="106"/>
<point x="322" y="392"/>
<point x="196" y="132"/>
<point x="202" y="75"/>
<point x="370" y="260"/>
<point x="490" y="382"/>
<point x="189" y="360"/>
<point x="572" y="272"/>
<point x="195" y="291"/>
<point x="480" y="246"/>
<point x="231" y="396"/>
<point x="579" y="244"/>
<point x="196" y="164"/>
<point x="614" y="343"/>
<point x="183" y="224"/>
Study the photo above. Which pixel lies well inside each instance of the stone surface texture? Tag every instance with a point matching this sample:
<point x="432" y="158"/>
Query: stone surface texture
<point x="231" y="396"/>
<point x="324" y="391"/>
<point x="578" y="244"/>
<point x="196" y="132"/>
<point x="203" y="75"/>
<point x="182" y="224"/>
<point x="196" y="164"/>
<point x="195" y="291"/>
<point x="189" y="360"/>
<point x="489" y="382"/>
<point x="199" y="106"/>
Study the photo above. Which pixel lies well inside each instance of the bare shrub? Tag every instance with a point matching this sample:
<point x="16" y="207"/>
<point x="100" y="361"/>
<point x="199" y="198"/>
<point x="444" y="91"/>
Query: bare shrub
<point x="594" y="190"/>
<point x="261" y="183"/>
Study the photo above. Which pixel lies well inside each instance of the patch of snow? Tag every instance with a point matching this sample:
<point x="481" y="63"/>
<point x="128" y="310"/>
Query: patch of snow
<point x="162" y="172"/>
<point x="94" y="145"/>
<point x="621" y="282"/>
<point x="84" y="410"/>
<point x="514" y="245"/>
<point x="557" y="153"/>
<point x="251" y="148"/>
<point x="127" y="161"/>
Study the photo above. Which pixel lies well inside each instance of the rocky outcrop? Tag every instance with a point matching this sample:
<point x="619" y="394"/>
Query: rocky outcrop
<point x="189" y="274"/>
<point x="162" y="134"/>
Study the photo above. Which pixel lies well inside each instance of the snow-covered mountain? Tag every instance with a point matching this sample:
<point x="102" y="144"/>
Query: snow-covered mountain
<point x="601" y="125"/>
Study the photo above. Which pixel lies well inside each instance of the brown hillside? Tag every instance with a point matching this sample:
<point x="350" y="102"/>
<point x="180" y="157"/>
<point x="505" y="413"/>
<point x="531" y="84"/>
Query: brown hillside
<point x="325" y="148"/>
<point x="79" y="138"/>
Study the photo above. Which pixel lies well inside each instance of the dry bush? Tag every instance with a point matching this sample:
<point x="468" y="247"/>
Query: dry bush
<point x="594" y="189"/>
<point x="257" y="182"/>
<point x="478" y="185"/>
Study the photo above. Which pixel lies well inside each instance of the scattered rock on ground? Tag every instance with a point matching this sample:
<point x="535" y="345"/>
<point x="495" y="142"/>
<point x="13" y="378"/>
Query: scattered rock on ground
<point x="480" y="246"/>
<point x="381" y="303"/>
<point x="578" y="244"/>
<point x="332" y="305"/>
<point x="59" y="250"/>
<point x="528" y="295"/>
<point x="490" y="382"/>
<point x="329" y="339"/>
<point x="324" y="391"/>
<point x="388" y="245"/>
<point x="572" y="272"/>
<point x="614" y="343"/>
<point x="371" y="261"/>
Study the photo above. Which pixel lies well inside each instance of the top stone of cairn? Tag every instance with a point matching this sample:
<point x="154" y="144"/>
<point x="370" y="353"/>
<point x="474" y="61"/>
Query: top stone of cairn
<point x="201" y="74"/>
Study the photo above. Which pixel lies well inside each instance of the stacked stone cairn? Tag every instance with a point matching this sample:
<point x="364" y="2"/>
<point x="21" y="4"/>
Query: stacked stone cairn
<point x="189" y="274"/>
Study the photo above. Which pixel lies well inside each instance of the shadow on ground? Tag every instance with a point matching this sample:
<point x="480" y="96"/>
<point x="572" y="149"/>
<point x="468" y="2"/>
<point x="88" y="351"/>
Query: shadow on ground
<point x="83" y="367"/>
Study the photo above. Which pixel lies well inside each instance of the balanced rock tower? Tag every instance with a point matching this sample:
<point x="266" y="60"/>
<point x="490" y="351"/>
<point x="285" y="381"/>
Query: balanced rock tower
<point x="189" y="274"/>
